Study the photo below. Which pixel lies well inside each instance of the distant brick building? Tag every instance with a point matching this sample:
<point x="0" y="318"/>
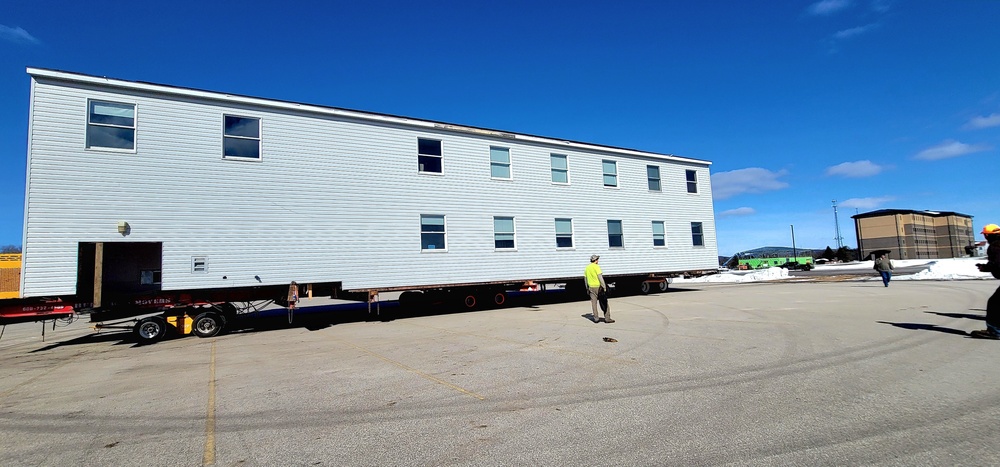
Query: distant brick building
<point x="910" y="234"/>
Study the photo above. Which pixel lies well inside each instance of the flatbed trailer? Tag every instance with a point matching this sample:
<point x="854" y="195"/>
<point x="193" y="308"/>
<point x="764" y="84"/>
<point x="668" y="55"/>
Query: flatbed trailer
<point x="208" y="312"/>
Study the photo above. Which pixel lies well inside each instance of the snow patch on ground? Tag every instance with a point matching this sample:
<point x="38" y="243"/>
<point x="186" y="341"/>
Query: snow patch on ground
<point x="949" y="270"/>
<point x="939" y="269"/>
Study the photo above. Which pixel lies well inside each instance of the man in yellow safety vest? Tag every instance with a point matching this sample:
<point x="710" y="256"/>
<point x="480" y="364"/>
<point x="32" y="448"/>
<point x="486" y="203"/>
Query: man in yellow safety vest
<point x="594" y="278"/>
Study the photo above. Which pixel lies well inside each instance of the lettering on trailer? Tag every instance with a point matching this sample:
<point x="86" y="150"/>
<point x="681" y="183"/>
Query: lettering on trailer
<point x="153" y="301"/>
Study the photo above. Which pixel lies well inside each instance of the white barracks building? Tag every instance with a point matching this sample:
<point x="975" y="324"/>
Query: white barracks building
<point x="174" y="188"/>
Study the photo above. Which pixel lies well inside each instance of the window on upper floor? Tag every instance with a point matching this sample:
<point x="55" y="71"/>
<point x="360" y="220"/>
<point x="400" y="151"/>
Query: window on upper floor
<point x="692" y="181"/>
<point x="503" y="233"/>
<point x="616" y="238"/>
<point x="564" y="233"/>
<point x="241" y="137"/>
<point x="111" y="125"/>
<point x="697" y="234"/>
<point x="432" y="232"/>
<point x="659" y="234"/>
<point x="610" y="173"/>
<point x="500" y="163"/>
<point x="429" y="159"/>
<point x="560" y="168"/>
<point x="653" y="177"/>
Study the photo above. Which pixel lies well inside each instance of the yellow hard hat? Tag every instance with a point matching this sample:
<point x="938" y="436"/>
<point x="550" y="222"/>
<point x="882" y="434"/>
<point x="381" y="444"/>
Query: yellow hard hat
<point x="991" y="229"/>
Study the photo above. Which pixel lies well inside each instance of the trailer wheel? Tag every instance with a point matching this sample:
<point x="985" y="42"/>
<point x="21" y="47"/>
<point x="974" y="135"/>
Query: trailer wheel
<point x="664" y="286"/>
<point x="470" y="301"/>
<point x="151" y="329"/>
<point x="500" y="298"/>
<point x="645" y="287"/>
<point x="207" y="324"/>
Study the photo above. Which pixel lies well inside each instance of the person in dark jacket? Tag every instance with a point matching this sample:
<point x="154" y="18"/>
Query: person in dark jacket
<point x="992" y="265"/>
<point x="884" y="267"/>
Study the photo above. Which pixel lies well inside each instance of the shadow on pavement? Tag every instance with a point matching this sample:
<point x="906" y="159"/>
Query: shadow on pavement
<point x="315" y="318"/>
<point x="926" y="327"/>
<point x="958" y="315"/>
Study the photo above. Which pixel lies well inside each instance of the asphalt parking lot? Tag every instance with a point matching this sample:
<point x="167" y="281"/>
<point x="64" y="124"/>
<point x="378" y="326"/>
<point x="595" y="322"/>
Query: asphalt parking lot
<point x="786" y="373"/>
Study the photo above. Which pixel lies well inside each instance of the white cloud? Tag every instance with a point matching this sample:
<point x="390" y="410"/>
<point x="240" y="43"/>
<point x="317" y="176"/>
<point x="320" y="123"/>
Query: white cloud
<point x="826" y="7"/>
<point x="949" y="149"/>
<point x="865" y="203"/>
<point x="988" y="121"/>
<point x="744" y="211"/>
<point x="853" y="32"/>
<point x="881" y="6"/>
<point x="749" y="180"/>
<point x="857" y="169"/>
<point x="17" y="35"/>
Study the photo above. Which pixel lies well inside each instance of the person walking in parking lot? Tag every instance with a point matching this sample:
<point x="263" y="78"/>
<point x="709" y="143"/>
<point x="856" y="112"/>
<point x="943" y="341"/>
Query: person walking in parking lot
<point x="992" y="265"/>
<point x="594" y="278"/>
<point x="884" y="267"/>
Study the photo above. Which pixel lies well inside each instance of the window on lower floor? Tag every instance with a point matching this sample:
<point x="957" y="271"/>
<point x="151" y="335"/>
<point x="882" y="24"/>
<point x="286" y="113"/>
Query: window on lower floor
<point x="432" y="232"/>
<point x="503" y="233"/>
<point x="659" y="234"/>
<point x="697" y="234"/>
<point x="616" y="238"/>
<point x="564" y="233"/>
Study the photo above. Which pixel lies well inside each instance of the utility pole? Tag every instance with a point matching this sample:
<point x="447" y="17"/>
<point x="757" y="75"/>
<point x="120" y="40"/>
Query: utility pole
<point x="836" y="222"/>
<point x="795" y="256"/>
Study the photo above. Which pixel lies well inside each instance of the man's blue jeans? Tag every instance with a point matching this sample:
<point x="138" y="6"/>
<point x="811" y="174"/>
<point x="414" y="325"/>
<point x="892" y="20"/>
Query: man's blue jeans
<point x="886" y="275"/>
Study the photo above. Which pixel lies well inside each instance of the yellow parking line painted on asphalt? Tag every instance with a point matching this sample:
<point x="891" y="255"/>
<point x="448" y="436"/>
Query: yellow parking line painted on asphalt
<point x="209" y="456"/>
<point x="415" y="371"/>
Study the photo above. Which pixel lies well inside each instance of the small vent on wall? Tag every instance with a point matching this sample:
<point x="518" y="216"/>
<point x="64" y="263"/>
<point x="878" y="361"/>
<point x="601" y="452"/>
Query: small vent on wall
<point x="199" y="264"/>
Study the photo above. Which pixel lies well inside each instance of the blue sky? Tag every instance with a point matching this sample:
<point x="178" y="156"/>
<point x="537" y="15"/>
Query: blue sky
<point x="873" y="103"/>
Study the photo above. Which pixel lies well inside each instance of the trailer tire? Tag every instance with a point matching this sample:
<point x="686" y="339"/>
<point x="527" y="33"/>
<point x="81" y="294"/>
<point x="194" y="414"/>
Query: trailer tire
<point x="150" y="329"/>
<point x="208" y="324"/>
<point x="500" y="298"/>
<point x="645" y="287"/>
<point x="469" y="301"/>
<point x="409" y="299"/>
<point x="664" y="286"/>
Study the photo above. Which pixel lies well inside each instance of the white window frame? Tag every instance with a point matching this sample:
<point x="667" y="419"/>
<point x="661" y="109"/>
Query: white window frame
<point x="509" y="164"/>
<point x="663" y="228"/>
<point x="604" y="174"/>
<point x="621" y="226"/>
<point x="700" y="234"/>
<point x="439" y="157"/>
<point x="572" y="241"/>
<point x="259" y="139"/>
<point x="134" y="128"/>
<point x="659" y="178"/>
<point x="444" y="233"/>
<point x="554" y="169"/>
<point x="690" y="182"/>
<point x="512" y="233"/>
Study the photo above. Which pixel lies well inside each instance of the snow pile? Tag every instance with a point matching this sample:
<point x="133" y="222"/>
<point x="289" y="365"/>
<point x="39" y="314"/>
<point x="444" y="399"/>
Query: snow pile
<point x="941" y="269"/>
<point x="950" y="269"/>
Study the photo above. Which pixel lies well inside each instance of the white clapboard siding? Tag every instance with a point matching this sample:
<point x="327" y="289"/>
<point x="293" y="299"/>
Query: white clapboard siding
<point x="334" y="198"/>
